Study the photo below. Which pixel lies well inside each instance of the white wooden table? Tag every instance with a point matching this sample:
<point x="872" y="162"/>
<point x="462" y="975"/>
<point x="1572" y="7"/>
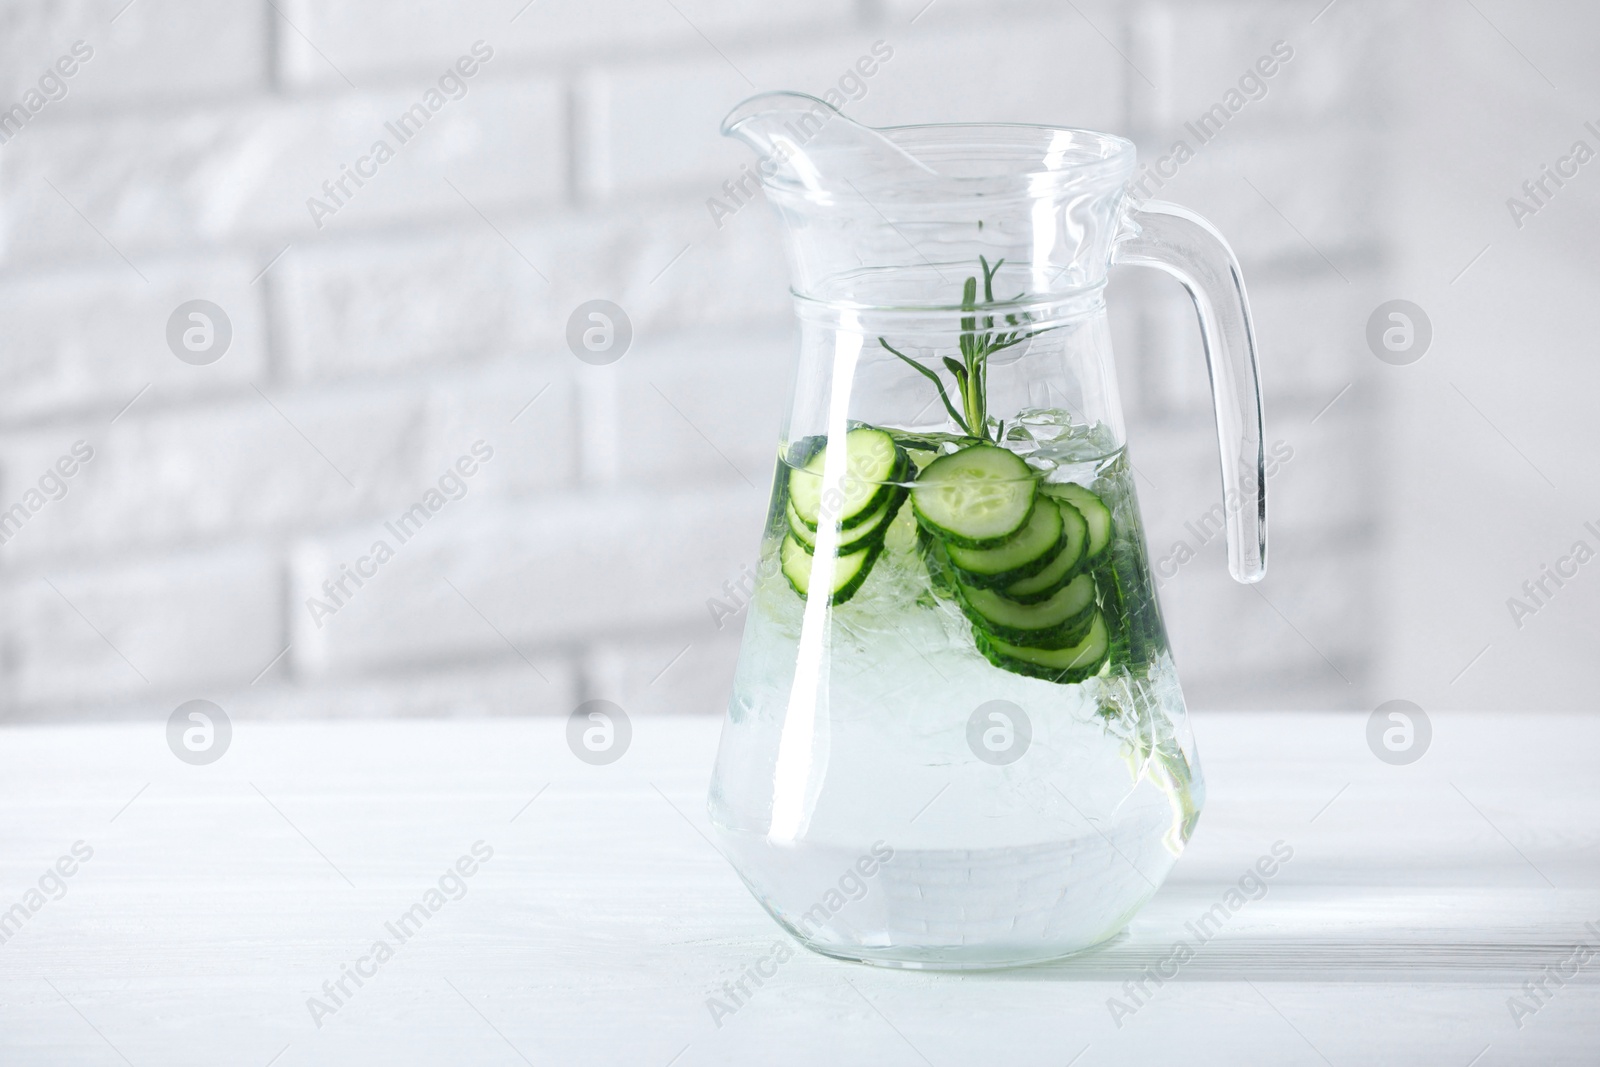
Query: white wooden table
<point x="218" y="899"/>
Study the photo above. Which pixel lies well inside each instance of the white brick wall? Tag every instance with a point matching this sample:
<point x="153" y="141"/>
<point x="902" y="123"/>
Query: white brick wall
<point x="88" y="337"/>
<point x="371" y="39"/>
<point x="238" y="467"/>
<point x="206" y="618"/>
<point x="197" y="176"/>
<point x="568" y="570"/>
<point x="422" y="317"/>
<point x="155" y="52"/>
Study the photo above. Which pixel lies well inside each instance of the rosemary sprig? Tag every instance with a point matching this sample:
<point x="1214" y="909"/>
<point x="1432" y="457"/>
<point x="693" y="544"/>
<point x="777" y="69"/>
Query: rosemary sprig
<point x="971" y="371"/>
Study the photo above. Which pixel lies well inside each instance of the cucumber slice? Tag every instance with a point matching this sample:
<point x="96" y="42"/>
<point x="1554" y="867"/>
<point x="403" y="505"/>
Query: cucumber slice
<point x="1058" y="622"/>
<point x="975" y="498"/>
<point x="848" y="572"/>
<point x="1061" y="568"/>
<point x="856" y="539"/>
<point x="1065" y="665"/>
<point x="1094" y="512"/>
<point x="872" y="463"/>
<point x="1024" y="554"/>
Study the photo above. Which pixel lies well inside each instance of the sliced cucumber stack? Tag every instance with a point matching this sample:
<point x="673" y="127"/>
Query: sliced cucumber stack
<point x="1025" y="561"/>
<point x="861" y="508"/>
<point x="1018" y="557"/>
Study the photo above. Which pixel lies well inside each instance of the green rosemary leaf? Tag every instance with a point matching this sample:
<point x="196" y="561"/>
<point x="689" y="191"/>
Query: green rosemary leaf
<point x="937" y="384"/>
<point x="988" y="278"/>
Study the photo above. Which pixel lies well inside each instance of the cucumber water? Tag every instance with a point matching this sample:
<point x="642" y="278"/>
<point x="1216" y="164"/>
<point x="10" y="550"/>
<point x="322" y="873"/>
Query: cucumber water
<point x="1035" y="567"/>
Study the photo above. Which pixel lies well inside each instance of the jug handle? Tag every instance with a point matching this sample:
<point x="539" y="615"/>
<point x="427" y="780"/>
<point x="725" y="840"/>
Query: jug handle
<point x="1186" y="246"/>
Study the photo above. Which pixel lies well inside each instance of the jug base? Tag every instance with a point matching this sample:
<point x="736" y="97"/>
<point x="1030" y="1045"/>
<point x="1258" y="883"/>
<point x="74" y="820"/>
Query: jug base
<point x="959" y="958"/>
<point x="984" y="908"/>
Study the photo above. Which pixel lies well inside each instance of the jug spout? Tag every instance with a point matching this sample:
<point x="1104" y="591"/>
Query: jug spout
<point x="807" y="142"/>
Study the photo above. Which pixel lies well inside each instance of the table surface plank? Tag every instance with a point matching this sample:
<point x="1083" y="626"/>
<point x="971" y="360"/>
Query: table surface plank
<point x="218" y="899"/>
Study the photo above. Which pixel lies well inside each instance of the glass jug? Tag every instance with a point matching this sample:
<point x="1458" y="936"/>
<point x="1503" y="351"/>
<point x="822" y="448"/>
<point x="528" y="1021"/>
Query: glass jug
<point x="956" y="738"/>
